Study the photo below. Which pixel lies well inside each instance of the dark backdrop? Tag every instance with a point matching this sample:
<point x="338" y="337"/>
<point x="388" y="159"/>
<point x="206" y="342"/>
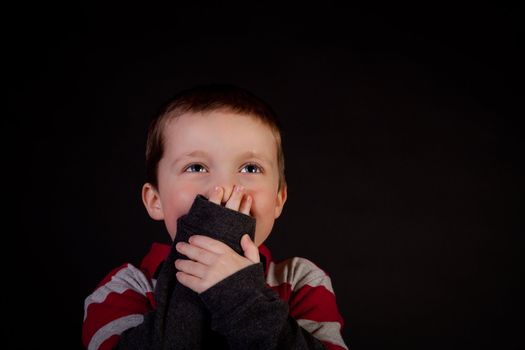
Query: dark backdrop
<point x="403" y="143"/>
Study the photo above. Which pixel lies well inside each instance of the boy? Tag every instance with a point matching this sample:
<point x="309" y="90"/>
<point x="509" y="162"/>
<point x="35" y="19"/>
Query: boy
<point x="215" y="176"/>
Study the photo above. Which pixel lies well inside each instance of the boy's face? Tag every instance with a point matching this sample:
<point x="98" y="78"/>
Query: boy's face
<point x="218" y="148"/>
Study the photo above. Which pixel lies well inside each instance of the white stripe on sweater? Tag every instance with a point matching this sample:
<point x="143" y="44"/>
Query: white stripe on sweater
<point x="125" y="279"/>
<point x="297" y="272"/>
<point x="115" y="327"/>
<point x="324" y="331"/>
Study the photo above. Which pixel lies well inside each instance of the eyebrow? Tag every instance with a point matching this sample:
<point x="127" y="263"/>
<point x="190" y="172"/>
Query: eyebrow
<point x="251" y="154"/>
<point x="203" y="154"/>
<point x="192" y="154"/>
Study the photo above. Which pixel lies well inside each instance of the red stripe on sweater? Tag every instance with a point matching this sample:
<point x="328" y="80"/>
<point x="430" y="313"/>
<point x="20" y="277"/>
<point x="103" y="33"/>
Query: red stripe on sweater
<point x="331" y="346"/>
<point x="113" y="307"/>
<point x="304" y="304"/>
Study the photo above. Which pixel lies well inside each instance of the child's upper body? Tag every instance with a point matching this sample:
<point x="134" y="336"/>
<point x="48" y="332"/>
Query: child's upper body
<point x="215" y="176"/>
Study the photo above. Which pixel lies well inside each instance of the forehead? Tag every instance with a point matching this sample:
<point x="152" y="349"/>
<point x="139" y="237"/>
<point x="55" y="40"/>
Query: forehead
<point x="220" y="132"/>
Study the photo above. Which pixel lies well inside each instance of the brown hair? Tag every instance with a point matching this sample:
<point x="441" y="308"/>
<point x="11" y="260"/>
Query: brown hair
<point x="207" y="98"/>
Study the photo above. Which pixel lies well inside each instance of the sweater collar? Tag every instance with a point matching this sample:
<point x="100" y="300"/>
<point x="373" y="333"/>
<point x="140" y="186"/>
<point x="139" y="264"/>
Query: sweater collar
<point x="159" y="252"/>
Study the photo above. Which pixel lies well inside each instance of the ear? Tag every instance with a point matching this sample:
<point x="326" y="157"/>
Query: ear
<point x="151" y="200"/>
<point x="282" y="195"/>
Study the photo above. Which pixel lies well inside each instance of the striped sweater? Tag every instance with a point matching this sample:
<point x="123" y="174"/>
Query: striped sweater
<point x="269" y="305"/>
<point x="126" y="294"/>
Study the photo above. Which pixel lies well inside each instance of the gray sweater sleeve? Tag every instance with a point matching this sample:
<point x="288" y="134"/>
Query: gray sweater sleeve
<point x="252" y="316"/>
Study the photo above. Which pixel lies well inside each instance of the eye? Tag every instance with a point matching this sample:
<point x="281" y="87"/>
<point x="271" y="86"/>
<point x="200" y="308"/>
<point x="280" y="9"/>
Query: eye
<point x="195" y="168"/>
<point x="251" y="168"/>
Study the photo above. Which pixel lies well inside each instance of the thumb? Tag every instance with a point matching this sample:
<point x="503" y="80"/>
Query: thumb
<point x="250" y="249"/>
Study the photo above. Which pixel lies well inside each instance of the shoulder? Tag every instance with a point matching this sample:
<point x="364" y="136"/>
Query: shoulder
<point x="129" y="277"/>
<point x="297" y="272"/>
<point x="124" y="279"/>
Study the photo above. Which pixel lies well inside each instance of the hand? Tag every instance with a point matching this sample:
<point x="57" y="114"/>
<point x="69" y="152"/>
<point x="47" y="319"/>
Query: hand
<point x="238" y="200"/>
<point x="211" y="260"/>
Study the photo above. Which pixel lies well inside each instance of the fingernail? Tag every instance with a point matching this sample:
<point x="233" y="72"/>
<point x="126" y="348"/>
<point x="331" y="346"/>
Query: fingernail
<point x="217" y="189"/>
<point x="239" y="188"/>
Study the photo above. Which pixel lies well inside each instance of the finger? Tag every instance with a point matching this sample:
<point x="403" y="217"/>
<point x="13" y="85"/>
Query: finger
<point x="246" y="205"/>
<point x="192" y="282"/>
<point x="196" y="253"/>
<point x="191" y="267"/>
<point x="208" y="244"/>
<point x="251" y="252"/>
<point x="216" y="194"/>
<point x="235" y="199"/>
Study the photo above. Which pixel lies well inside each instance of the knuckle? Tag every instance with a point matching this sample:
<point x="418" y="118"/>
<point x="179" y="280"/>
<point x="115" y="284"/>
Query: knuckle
<point x="201" y="254"/>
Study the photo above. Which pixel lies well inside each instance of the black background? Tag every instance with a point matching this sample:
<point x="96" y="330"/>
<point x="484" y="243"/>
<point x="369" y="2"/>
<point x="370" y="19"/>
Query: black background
<point x="403" y="143"/>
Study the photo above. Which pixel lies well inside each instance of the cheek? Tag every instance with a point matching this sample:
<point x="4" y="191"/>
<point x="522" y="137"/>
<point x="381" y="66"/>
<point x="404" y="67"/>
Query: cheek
<point x="263" y="209"/>
<point x="263" y="205"/>
<point x="263" y="202"/>
<point x="176" y="202"/>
